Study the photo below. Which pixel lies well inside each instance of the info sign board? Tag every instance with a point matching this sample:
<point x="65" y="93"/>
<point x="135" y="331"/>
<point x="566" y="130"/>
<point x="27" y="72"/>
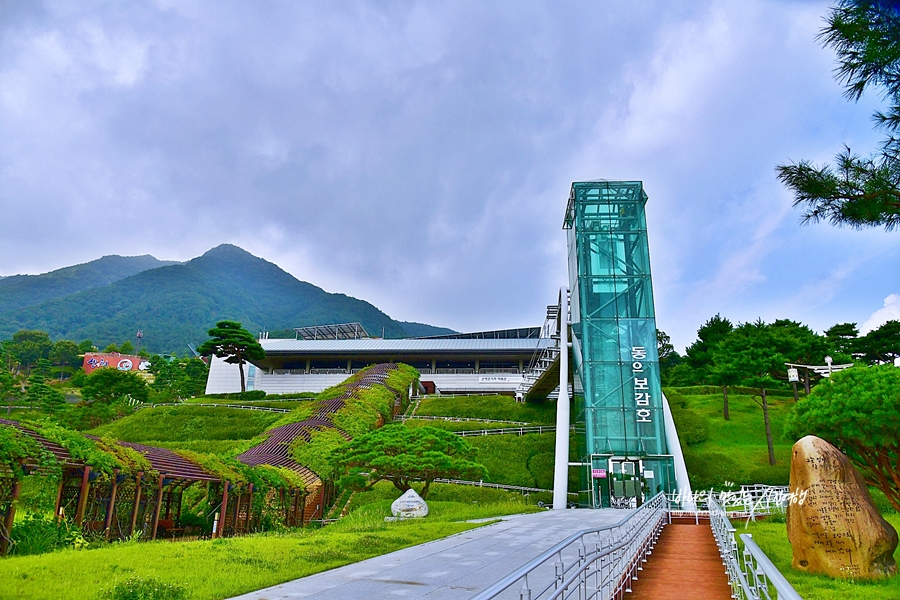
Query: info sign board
<point x="598" y="473"/>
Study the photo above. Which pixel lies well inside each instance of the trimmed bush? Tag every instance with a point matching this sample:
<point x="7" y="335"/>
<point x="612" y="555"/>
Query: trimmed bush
<point x="139" y="588"/>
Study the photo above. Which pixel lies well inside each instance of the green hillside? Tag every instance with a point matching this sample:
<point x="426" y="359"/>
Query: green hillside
<point x="414" y="329"/>
<point x="176" y="304"/>
<point x="18" y="291"/>
<point x="718" y="451"/>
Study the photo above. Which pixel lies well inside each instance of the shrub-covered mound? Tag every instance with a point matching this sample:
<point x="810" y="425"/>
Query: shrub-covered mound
<point x="308" y="435"/>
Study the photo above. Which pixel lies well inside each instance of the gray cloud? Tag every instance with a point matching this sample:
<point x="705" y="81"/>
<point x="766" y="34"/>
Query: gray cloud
<point x="418" y="154"/>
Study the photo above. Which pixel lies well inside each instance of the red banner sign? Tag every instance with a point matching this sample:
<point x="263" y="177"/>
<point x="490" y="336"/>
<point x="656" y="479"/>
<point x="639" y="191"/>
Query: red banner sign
<point x="122" y="362"/>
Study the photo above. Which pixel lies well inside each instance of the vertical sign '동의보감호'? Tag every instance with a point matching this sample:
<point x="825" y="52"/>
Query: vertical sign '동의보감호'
<point x="641" y="385"/>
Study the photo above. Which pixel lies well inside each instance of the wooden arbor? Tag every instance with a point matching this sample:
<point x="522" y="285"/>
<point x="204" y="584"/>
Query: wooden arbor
<point x="10" y="484"/>
<point x="147" y="502"/>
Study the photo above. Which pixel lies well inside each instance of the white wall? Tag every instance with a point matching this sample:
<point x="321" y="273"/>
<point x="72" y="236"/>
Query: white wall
<point x="224" y="378"/>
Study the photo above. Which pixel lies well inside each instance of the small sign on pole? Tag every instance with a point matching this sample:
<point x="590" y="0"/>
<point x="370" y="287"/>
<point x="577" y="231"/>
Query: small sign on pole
<point x="793" y="375"/>
<point x="598" y="473"/>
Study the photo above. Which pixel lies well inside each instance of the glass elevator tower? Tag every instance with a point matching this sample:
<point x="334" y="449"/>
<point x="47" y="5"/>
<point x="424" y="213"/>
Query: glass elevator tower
<point x="617" y="395"/>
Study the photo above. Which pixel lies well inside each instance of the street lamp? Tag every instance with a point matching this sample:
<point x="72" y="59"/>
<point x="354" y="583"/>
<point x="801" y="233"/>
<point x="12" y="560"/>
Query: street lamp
<point x="828" y="361"/>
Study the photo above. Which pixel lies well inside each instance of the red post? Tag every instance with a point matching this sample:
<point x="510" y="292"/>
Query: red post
<point x="10" y="517"/>
<point x="249" y="510"/>
<point x="223" y="509"/>
<point x="59" y="493"/>
<point x="159" y="496"/>
<point x="83" y="494"/>
<point x="111" y="507"/>
<point x="137" y="502"/>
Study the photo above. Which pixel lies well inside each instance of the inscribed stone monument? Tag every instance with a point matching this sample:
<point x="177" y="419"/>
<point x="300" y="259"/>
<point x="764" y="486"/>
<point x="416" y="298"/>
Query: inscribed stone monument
<point x="409" y="505"/>
<point x="836" y="530"/>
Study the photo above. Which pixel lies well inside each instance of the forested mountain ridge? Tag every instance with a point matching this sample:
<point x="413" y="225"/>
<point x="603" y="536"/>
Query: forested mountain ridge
<point x="176" y="304"/>
<point x="18" y="291"/>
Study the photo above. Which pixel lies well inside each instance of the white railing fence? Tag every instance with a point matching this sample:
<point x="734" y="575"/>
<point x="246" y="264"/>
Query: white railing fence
<point x="593" y="563"/>
<point x="751" y="574"/>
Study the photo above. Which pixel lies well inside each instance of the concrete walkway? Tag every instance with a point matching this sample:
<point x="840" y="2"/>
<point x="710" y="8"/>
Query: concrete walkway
<point x="453" y="568"/>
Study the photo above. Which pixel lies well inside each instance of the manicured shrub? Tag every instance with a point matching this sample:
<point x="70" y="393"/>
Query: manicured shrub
<point x="145" y="588"/>
<point x="36" y="535"/>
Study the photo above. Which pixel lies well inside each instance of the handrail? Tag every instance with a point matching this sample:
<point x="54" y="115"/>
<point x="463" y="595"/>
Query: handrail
<point x="750" y="572"/>
<point x="785" y="590"/>
<point x="499" y="486"/>
<point x="241" y="406"/>
<point x="619" y="554"/>
<point x="508" y="431"/>
<point x="457" y="419"/>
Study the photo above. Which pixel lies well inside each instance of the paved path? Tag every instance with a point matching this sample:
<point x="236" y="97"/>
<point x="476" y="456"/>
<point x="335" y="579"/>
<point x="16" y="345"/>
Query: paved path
<point x="685" y="564"/>
<point x="453" y="568"/>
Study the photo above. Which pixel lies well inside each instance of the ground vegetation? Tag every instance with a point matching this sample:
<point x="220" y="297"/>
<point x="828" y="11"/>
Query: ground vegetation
<point x="858" y="411"/>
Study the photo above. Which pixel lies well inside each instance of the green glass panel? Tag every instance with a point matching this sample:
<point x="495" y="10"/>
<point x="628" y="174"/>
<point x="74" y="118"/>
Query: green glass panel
<point x="614" y="329"/>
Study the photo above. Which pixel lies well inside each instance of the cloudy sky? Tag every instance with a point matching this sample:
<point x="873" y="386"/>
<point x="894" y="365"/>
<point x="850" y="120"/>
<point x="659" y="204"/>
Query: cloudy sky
<point x="419" y="154"/>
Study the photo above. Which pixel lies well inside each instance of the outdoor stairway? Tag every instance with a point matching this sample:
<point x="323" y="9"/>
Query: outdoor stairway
<point x="685" y="564"/>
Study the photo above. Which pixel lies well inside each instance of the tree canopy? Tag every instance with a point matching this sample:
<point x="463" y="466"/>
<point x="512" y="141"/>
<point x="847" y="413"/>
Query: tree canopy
<point x="233" y="343"/>
<point x="857" y="410"/>
<point x="403" y="455"/>
<point x="858" y="191"/>
<point x="108" y="385"/>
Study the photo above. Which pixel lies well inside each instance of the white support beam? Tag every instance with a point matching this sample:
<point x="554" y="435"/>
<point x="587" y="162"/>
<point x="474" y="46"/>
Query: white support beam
<point x="561" y="464"/>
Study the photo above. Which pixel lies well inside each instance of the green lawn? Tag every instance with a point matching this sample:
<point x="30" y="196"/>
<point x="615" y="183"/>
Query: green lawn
<point x="503" y="408"/>
<point x="735" y="450"/>
<point x="189" y="423"/>
<point x="525" y="460"/>
<point x="244" y="564"/>
<point x="772" y="538"/>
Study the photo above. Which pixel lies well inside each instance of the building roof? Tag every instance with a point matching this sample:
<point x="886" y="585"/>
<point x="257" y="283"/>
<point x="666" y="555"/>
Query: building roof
<point x="519" y="332"/>
<point x="412" y="346"/>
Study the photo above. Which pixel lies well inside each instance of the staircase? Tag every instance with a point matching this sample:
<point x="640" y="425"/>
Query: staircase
<point x="685" y="564"/>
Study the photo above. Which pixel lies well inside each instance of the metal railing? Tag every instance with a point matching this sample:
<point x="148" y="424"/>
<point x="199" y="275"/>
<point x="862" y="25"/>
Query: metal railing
<point x="241" y="406"/>
<point x="750" y="501"/>
<point x="496" y="486"/>
<point x="508" y="431"/>
<point x="750" y="572"/>
<point x="457" y="419"/>
<point x="593" y="563"/>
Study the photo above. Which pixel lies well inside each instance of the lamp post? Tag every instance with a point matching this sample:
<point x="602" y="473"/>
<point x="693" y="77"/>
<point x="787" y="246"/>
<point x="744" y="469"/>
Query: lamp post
<point x="828" y="361"/>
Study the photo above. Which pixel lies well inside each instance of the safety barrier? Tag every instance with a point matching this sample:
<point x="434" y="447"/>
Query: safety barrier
<point x="593" y="563"/>
<point x="458" y="419"/>
<point x="750" y="572"/>
<point x="496" y="486"/>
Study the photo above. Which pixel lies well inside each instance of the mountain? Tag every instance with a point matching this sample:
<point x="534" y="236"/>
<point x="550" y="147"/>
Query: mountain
<point x="18" y="291"/>
<point x="414" y="329"/>
<point x="176" y="304"/>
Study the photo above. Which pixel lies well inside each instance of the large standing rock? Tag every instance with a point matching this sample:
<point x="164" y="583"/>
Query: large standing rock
<point x="409" y="505"/>
<point x="832" y="523"/>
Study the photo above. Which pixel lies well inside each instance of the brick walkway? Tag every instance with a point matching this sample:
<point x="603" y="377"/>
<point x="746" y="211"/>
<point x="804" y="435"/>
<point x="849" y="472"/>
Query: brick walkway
<point x="685" y="564"/>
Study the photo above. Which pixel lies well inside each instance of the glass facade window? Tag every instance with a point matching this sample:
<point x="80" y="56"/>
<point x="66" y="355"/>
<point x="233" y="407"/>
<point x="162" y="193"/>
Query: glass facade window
<point x="619" y="402"/>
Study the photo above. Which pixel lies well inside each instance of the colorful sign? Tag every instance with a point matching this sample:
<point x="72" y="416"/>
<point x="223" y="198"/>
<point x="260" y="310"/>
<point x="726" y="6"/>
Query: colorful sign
<point x="122" y="362"/>
<point x="598" y="473"/>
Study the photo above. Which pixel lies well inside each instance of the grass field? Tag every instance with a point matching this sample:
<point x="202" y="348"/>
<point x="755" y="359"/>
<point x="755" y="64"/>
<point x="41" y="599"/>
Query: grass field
<point x="252" y="562"/>
<point x="735" y="450"/>
<point x="503" y="408"/>
<point x="525" y="460"/>
<point x="189" y="423"/>
<point x="772" y="539"/>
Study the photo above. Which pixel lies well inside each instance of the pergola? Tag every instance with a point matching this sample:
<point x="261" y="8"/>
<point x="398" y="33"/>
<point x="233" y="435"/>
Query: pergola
<point x="150" y="502"/>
